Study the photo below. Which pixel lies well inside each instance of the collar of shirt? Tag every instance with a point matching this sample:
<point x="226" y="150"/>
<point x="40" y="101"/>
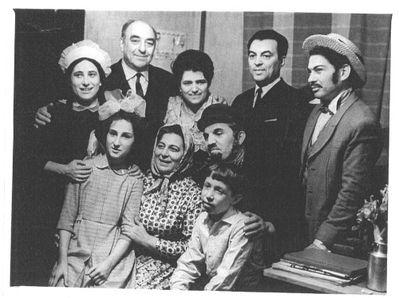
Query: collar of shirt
<point x="265" y="89"/>
<point x="333" y="105"/>
<point x="101" y="161"/>
<point x="130" y="73"/>
<point x="93" y="107"/>
<point x="226" y="219"/>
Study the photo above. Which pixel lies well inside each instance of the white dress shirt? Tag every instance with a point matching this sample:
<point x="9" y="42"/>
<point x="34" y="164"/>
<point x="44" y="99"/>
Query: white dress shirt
<point x="333" y="107"/>
<point x="265" y="89"/>
<point x="131" y="77"/>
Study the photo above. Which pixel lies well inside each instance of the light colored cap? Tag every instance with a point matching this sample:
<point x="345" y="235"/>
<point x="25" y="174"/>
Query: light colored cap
<point x="85" y="49"/>
<point x="341" y="45"/>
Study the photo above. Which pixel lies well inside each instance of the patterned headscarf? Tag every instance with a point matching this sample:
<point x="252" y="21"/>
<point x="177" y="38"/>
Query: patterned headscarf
<point x="162" y="181"/>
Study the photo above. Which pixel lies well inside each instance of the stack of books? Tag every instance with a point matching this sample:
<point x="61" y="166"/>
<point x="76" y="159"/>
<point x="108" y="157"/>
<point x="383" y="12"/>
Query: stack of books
<point x="320" y="264"/>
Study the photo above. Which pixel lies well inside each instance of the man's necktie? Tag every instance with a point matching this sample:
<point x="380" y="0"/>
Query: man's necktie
<point x="326" y="110"/>
<point x="139" y="89"/>
<point x="258" y="96"/>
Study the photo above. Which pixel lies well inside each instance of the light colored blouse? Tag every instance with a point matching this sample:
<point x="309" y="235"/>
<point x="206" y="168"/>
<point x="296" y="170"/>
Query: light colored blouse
<point x="94" y="212"/>
<point x="178" y="113"/>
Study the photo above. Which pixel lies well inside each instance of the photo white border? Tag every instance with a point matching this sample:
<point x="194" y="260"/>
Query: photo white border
<point x="7" y="79"/>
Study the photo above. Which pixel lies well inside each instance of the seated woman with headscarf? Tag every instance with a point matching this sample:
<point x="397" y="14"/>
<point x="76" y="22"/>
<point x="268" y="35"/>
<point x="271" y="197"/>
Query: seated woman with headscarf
<point x="170" y="204"/>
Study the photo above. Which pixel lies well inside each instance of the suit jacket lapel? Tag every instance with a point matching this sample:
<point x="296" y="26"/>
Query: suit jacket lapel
<point x="328" y="130"/>
<point x="311" y="123"/>
<point x="123" y="83"/>
<point x="274" y="94"/>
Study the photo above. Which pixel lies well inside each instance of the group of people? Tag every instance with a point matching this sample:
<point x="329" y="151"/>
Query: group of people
<point x="167" y="186"/>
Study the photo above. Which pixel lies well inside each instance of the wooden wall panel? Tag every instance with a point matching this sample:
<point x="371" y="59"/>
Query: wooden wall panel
<point x="223" y="43"/>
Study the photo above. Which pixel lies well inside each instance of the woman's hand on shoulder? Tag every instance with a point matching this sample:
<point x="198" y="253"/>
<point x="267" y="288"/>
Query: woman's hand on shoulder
<point x="59" y="273"/>
<point x="78" y="170"/>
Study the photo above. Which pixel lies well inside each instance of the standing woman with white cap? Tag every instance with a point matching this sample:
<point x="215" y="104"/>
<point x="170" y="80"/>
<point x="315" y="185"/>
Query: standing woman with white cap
<point x="60" y="147"/>
<point x="64" y="143"/>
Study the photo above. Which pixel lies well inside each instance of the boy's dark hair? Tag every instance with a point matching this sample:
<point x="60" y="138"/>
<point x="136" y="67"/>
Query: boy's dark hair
<point x="229" y="175"/>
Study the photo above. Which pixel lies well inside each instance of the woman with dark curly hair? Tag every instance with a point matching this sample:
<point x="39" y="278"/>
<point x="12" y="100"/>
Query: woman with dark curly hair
<point x="193" y="71"/>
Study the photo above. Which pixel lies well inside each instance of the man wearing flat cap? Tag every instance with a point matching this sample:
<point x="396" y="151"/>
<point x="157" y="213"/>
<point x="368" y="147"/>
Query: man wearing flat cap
<point x="224" y="133"/>
<point x="342" y="139"/>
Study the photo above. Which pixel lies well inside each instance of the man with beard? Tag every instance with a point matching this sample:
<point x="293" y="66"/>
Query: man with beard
<point x="225" y="137"/>
<point x="342" y="139"/>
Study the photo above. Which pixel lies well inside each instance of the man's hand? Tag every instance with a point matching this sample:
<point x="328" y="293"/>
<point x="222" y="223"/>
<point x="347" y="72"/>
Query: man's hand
<point x="42" y="116"/>
<point x="255" y="226"/>
<point x="77" y="170"/>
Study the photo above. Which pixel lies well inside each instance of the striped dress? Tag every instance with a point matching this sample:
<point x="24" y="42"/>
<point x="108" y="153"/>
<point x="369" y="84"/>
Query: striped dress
<point x="94" y="212"/>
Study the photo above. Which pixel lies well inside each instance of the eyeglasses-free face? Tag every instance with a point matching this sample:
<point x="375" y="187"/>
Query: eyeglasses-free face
<point x="85" y="82"/>
<point x="138" y="45"/>
<point x="168" y="153"/>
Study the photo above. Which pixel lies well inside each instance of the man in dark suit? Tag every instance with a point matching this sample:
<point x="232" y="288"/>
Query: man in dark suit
<point x="134" y="71"/>
<point x="274" y="115"/>
<point x="342" y="139"/>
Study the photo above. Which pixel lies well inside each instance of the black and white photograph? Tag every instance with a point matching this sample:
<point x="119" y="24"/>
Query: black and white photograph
<point x="243" y="149"/>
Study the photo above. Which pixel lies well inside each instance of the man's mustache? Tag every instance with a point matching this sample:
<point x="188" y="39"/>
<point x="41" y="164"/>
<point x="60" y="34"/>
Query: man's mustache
<point x="315" y="85"/>
<point x="212" y="146"/>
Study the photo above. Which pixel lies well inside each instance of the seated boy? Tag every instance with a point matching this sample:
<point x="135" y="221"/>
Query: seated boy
<point x="218" y="248"/>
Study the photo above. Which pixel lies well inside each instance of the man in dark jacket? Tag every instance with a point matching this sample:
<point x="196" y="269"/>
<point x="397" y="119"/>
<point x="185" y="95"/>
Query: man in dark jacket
<point x="134" y="71"/>
<point x="274" y="115"/>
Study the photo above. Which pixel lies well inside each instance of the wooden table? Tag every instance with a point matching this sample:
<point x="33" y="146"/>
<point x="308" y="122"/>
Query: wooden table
<point x="316" y="284"/>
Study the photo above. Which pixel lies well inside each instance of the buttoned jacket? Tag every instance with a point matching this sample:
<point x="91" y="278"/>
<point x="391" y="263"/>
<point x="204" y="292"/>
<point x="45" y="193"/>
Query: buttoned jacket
<point x="338" y="167"/>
